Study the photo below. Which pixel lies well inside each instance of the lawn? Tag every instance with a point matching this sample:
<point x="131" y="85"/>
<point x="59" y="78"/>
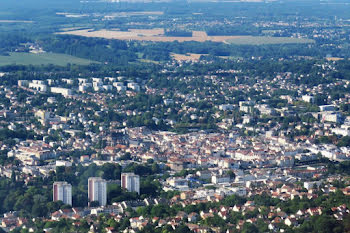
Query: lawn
<point x="261" y="40"/>
<point x="42" y="59"/>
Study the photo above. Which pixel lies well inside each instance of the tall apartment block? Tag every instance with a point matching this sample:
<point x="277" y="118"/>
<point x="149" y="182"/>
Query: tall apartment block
<point x="97" y="190"/>
<point x="62" y="191"/>
<point x="130" y="182"/>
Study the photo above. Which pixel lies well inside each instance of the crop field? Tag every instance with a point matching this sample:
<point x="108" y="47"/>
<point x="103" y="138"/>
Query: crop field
<point x="156" y="34"/>
<point x="187" y="57"/>
<point x="266" y="40"/>
<point x="42" y="59"/>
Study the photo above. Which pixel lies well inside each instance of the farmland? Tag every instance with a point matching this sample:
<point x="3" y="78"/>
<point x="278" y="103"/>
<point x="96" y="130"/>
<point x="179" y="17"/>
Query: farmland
<point x="42" y="59"/>
<point x="187" y="57"/>
<point x="156" y="35"/>
<point x="266" y="40"/>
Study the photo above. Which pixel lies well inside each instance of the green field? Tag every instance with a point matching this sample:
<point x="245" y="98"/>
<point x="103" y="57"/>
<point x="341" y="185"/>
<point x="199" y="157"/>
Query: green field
<point x="42" y="59"/>
<point x="266" y="40"/>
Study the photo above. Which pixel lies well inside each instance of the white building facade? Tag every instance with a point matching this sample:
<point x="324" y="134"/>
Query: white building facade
<point x="97" y="190"/>
<point x="130" y="182"/>
<point x="62" y="191"/>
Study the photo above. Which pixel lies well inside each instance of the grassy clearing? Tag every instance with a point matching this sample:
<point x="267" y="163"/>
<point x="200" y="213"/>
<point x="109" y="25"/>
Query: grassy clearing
<point x="187" y="56"/>
<point x="263" y="40"/>
<point x="42" y="59"/>
<point x="148" y="61"/>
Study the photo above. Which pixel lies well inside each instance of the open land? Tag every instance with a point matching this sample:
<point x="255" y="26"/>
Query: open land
<point x="42" y="59"/>
<point x="157" y="35"/>
<point x="187" y="56"/>
<point x="147" y="35"/>
<point x="260" y="40"/>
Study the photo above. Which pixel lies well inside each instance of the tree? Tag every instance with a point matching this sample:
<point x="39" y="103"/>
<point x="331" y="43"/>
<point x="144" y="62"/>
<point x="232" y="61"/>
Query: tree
<point x="39" y="210"/>
<point x="13" y="177"/>
<point x="126" y="156"/>
<point x="249" y="228"/>
<point x="325" y="224"/>
<point x="231" y="174"/>
<point x="94" y="204"/>
<point x="182" y="229"/>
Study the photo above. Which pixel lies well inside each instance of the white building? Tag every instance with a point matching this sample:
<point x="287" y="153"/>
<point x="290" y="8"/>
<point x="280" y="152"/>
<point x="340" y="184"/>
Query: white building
<point x="217" y="179"/>
<point x="51" y="100"/>
<point x="226" y="107"/>
<point x="107" y="87"/>
<point x="341" y="131"/>
<point x="82" y="80"/>
<point x="68" y="81"/>
<point x="130" y="182"/>
<point x="63" y="163"/>
<point x="118" y="84"/>
<point x="44" y="116"/>
<point x="327" y="108"/>
<point x="134" y="86"/>
<point x="310" y="185"/>
<point x="168" y="101"/>
<point x="97" y="80"/>
<point x="331" y="117"/>
<point x="308" y="98"/>
<point x="23" y="83"/>
<point x="121" y="88"/>
<point x="38" y="87"/>
<point x="240" y="191"/>
<point x="177" y="182"/>
<point x="62" y="91"/>
<point x="38" y="82"/>
<point x="97" y="190"/>
<point x="246" y="119"/>
<point x="245" y="108"/>
<point x="62" y="191"/>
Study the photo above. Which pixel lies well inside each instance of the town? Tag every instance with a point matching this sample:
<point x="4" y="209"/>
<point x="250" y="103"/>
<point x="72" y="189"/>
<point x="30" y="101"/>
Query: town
<point x="175" y="117"/>
<point x="247" y="155"/>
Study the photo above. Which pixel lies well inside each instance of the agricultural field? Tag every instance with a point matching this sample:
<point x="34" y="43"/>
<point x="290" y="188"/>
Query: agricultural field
<point x="156" y="35"/>
<point x="266" y="40"/>
<point x="42" y="59"/>
<point x="187" y="57"/>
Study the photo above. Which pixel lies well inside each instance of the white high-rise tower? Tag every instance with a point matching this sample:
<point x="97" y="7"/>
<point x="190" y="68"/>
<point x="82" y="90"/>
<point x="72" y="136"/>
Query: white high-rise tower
<point x="97" y="190"/>
<point x="130" y="182"/>
<point x="62" y="191"/>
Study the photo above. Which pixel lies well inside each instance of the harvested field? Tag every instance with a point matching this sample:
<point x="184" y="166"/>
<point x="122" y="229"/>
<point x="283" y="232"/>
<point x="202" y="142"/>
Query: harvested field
<point x="334" y="58"/>
<point x="187" y="56"/>
<point x="266" y="40"/>
<point x="133" y="13"/>
<point x="157" y="35"/>
<point x="147" y="35"/>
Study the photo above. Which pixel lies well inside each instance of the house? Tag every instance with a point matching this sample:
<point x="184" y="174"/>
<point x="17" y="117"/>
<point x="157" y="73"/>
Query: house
<point x="291" y="221"/>
<point x="181" y="215"/>
<point x="314" y="211"/>
<point x="223" y="214"/>
<point x="192" y="217"/>
<point x="237" y="208"/>
<point x="206" y="215"/>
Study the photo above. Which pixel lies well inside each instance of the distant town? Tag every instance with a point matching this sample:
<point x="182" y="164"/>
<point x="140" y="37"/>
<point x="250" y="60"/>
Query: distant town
<point x="175" y="117"/>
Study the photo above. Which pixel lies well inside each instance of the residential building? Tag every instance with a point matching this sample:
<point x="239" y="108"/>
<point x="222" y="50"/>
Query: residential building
<point x="62" y="191"/>
<point x="97" y="190"/>
<point x="130" y="182"/>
